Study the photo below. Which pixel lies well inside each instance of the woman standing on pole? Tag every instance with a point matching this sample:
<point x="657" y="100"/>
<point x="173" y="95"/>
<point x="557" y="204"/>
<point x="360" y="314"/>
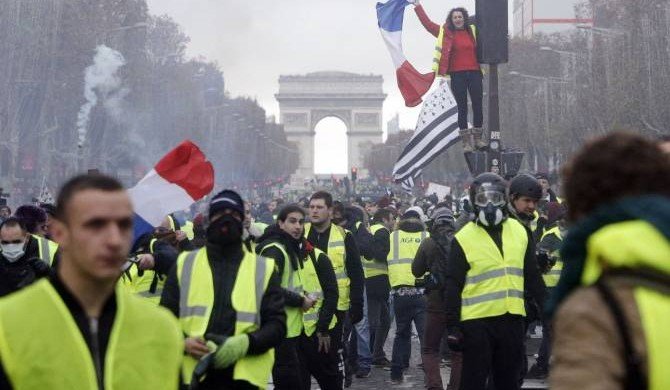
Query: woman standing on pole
<point x="456" y="57"/>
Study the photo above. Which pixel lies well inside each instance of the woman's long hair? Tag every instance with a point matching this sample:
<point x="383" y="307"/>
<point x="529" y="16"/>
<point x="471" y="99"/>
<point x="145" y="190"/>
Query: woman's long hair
<point x="466" y="18"/>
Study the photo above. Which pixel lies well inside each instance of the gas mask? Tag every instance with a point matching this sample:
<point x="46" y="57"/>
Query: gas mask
<point x="225" y="231"/>
<point x="13" y="252"/>
<point x="490" y="207"/>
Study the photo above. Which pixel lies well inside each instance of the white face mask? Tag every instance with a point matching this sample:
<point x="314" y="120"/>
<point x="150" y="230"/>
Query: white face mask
<point x="12" y="252"/>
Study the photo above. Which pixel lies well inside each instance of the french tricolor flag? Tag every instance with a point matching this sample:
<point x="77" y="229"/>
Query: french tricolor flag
<point x="413" y="85"/>
<point x="180" y="178"/>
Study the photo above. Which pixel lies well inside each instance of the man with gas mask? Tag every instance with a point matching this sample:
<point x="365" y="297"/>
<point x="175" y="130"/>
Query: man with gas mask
<point x="491" y="265"/>
<point x="19" y="264"/>
<point x="525" y="193"/>
<point x="230" y="305"/>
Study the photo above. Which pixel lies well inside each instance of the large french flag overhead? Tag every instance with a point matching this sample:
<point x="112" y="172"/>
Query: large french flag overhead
<point x="180" y="178"/>
<point x="413" y="85"/>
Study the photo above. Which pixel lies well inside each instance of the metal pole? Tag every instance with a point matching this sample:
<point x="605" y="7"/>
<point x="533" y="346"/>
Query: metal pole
<point x="494" y="121"/>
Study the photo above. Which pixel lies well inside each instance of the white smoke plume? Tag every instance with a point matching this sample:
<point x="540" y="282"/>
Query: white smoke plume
<point x="101" y="82"/>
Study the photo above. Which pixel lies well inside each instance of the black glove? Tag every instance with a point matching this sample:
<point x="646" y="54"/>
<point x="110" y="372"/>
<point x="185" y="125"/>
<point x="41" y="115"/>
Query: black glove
<point x="355" y="314"/>
<point x="455" y="339"/>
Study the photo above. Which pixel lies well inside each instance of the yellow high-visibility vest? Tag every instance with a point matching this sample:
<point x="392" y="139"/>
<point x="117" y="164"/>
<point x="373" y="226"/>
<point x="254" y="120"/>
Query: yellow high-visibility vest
<point x="437" y="57"/>
<point x="47" y="249"/>
<point x="404" y="246"/>
<point x="196" y="291"/>
<point x="42" y="347"/>
<point x="374" y="268"/>
<point x="290" y="280"/>
<point x="337" y="254"/>
<point x="638" y="244"/>
<point x="552" y="277"/>
<point x="494" y="283"/>
<point x="313" y="288"/>
<point x="188" y="229"/>
<point x="149" y="285"/>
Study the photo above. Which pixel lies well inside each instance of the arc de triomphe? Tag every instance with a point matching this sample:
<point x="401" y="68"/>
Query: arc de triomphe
<point x="356" y="99"/>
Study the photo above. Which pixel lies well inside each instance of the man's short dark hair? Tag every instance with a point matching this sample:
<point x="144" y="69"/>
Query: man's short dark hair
<point x="326" y="196"/>
<point x="82" y="183"/>
<point x="612" y="167"/>
<point x="13" y="222"/>
<point x="382" y="214"/>
<point x="286" y="210"/>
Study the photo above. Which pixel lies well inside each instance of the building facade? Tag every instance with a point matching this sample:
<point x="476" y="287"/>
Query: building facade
<point x="533" y="17"/>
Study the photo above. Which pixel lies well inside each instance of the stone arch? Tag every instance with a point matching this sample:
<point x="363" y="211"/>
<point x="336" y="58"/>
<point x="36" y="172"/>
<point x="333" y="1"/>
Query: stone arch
<point x="356" y="99"/>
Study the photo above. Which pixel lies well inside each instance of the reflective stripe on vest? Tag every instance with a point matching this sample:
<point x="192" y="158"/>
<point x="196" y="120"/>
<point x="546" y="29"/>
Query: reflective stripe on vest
<point x="288" y="282"/>
<point x="337" y="254"/>
<point x="47" y="249"/>
<point x="39" y="310"/>
<point x="196" y="289"/>
<point x="495" y="281"/>
<point x="552" y="277"/>
<point x="404" y="248"/>
<point x="313" y="288"/>
<point x="371" y="267"/>
<point x="437" y="56"/>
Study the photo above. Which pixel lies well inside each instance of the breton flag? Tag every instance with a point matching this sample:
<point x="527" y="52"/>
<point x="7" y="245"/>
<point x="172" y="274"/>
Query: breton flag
<point x="413" y="85"/>
<point x="408" y="183"/>
<point x="180" y="178"/>
<point x="436" y="130"/>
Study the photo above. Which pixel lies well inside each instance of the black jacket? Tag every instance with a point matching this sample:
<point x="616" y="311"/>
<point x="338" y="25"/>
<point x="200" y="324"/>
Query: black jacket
<point x="352" y="262"/>
<point x="225" y="262"/>
<point x="22" y="272"/>
<point x="457" y="269"/>
<point x="105" y="322"/>
<point x="378" y="286"/>
<point x="432" y="257"/>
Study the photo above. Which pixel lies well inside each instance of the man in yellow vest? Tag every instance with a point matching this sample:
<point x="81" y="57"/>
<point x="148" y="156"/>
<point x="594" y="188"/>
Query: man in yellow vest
<point x="35" y="220"/>
<point x="377" y="285"/>
<point x="409" y="302"/>
<point x="19" y="264"/>
<point x="310" y="293"/>
<point x="491" y="266"/>
<point x="77" y="330"/>
<point x="524" y="193"/>
<point x="611" y="307"/>
<point x="230" y="305"/>
<point x="341" y="248"/>
<point x="551" y="265"/>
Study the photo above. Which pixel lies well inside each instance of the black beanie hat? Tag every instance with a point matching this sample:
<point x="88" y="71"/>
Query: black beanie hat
<point x="226" y="199"/>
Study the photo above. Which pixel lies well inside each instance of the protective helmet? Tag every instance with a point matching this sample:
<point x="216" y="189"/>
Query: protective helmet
<point x="488" y="198"/>
<point x="525" y="185"/>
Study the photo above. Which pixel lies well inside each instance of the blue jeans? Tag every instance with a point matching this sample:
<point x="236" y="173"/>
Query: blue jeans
<point x="407" y="309"/>
<point x="360" y="335"/>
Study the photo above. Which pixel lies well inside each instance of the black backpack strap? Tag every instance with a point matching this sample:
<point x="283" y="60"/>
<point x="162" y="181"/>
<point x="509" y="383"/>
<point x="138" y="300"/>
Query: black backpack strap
<point x="636" y="379"/>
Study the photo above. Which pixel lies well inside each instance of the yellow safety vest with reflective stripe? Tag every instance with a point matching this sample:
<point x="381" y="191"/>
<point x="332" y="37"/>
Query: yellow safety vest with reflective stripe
<point x="291" y="280"/>
<point x="337" y="254"/>
<point x="374" y="268"/>
<point x="42" y="347"/>
<point x="196" y="301"/>
<point x="188" y="229"/>
<point x="437" y="57"/>
<point x="638" y="244"/>
<point x="149" y="285"/>
<point x="494" y="283"/>
<point x="47" y="249"/>
<point x="404" y="246"/>
<point x="313" y="288"/>
<point x="551" y="278"/>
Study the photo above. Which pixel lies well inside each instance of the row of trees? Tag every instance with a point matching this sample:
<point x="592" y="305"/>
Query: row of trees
<point x="561" y="89"/>
<point x="47" y="45"/>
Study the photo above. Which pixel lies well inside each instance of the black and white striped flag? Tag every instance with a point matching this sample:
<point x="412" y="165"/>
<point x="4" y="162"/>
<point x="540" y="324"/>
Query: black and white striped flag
<point x="408" y="183"/>
<point x="436" y="130"/>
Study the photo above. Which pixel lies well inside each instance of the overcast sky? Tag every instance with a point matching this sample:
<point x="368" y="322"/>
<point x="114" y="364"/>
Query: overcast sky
<point x="256" y="41"/>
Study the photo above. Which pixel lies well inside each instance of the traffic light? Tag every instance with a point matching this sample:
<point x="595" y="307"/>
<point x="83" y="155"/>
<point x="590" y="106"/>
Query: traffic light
<point x="354" y="173"/>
